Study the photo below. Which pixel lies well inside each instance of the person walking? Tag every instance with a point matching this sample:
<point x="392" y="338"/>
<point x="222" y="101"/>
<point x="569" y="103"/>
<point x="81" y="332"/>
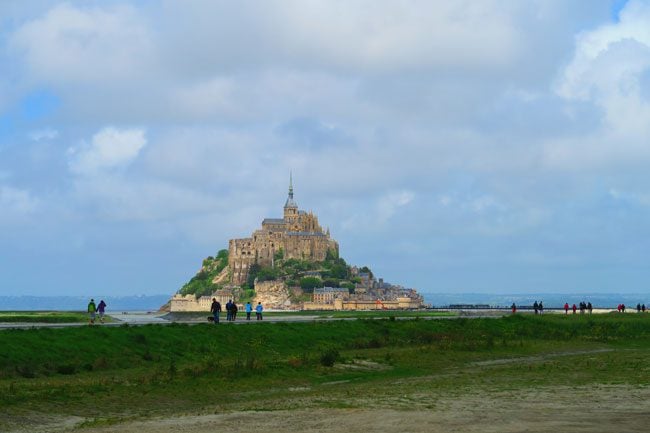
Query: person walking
<point x="566" y="308"/>
<point x="535" y="307"/>
<point x="590" y="307"/>
<point x="215" y="308"/>
<point x="638" y="308"/>
<point x="574" y="308"/>
<point x="249" y="310"/>
<point x="541" y="307"/>
<point x="514" y="308"/>
<point x="92" y="309"/>
<point x="101" y="308"/>
<point x="643" y="308"/>
<point x="258" y="311"/>
<point x="233" y="312"/>
<point x="229" y="310"/>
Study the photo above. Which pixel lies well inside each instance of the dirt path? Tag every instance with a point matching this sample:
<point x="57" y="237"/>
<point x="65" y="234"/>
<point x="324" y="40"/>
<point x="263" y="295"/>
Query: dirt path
<point x="598" y="409"/>
<point x="539" y="358"/>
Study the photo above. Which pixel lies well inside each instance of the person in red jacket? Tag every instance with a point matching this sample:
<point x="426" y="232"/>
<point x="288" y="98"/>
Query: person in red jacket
<point x="566" y="308"/>
<point x="574" y="308"/>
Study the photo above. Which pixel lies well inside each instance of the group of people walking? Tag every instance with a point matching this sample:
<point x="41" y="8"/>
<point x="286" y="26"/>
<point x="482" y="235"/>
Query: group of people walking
<point x="584" y="306"/>
<point x="231" y="310"/>
<point x="94" y="309"/>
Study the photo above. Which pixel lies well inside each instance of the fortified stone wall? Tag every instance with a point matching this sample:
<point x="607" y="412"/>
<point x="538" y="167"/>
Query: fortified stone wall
<point x="340" y="304"/>
<point x="189" y="303"/>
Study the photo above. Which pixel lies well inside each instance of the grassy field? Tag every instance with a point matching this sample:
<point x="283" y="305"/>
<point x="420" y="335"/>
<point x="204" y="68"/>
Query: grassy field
<point x="109" y="375"/>
<point x="43" y="317"/>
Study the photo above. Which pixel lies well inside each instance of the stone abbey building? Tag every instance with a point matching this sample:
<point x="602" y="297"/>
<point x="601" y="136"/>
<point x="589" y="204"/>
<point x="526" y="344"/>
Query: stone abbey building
<point x="298" y="235"/>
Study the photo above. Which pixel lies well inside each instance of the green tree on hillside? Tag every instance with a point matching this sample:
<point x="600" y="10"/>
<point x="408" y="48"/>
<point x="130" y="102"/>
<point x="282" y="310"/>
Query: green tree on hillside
<point x="308" y="284"/>
<point x="367" y="270"/>
<point x="201" y="283"/>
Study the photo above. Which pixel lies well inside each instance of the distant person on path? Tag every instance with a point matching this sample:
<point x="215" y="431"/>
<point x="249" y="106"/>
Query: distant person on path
<point x="233" y="312"/>
<point x="643" y="308"/>
<point x="92" y="309"/>
<point x="535" y="307"/>
<point x="249" y="310"/>
<point x="229" y="310"/>
<point x="623" y="308"/>
<point x="638" y="308"/>
<point x="541" y="307"/>
<point x="215" y="308"/>
<point x="574" y="308"/>
<point x="101" y="308"/>
<point x="514" y="308"/>
<point x="590" y="307"/>
<point x="566" y="308"/>
<point x="618" y="308"/>
<point x="258" y="311"/>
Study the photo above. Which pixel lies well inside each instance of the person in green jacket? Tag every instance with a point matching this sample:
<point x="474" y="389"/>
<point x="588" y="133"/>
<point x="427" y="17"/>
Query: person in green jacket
<point x="91" y="311"/>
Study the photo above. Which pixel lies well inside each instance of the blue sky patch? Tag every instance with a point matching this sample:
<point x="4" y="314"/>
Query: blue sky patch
<point x="39" y="104"/>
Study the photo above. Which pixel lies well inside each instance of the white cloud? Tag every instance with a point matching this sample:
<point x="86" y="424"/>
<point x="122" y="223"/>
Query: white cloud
<point x="85" y="44"/>
<point x="117" y="198"/>
<point x="610" y="69"/>
<point x="607" y="69"/>
<point x="15" y="201"/>
<point x="386" y="36"/>
<point x="44" y="134"/>
<point x="109" y="148"/>
<point x="642" y="199"/>
<point x="383" y="210"/>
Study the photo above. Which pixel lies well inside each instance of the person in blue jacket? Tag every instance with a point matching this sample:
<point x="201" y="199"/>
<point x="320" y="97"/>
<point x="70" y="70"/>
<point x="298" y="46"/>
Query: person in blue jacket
<point x="258" y="311"/>
<point x="249" y="309"/>
<point x="229" y="310"/>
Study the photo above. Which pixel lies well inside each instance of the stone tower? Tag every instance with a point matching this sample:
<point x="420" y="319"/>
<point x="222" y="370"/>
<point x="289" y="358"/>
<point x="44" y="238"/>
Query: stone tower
<point x="298" y="235"/>
<point x="290" y="207"/>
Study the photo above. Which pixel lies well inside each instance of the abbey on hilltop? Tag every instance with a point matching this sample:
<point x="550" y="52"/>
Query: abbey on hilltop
<point x="297" y="235"/>
<point x="282" y="264"/>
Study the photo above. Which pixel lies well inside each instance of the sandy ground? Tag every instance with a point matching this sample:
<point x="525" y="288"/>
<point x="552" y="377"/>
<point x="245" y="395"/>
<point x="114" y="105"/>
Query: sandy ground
<point x="599" y="409"/>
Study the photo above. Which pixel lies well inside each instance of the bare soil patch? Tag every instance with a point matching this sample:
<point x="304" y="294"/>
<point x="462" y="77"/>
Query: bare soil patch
<point x="584" y="409"/>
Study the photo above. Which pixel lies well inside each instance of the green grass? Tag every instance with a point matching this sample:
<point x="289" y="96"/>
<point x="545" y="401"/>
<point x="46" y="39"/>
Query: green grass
<point x="110" y="374"/>
<point x="42" y="317"/>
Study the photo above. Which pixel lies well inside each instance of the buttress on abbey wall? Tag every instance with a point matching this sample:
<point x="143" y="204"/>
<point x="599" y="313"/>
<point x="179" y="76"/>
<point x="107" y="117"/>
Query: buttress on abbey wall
<point x="298" y="235"/>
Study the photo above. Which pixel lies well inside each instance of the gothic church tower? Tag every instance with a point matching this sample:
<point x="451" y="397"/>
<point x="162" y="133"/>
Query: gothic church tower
<point x="290" y="207"/>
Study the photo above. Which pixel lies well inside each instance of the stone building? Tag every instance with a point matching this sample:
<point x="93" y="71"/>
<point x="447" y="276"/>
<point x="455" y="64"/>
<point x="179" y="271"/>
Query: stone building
<point x="327" y="295"/>
<point x="298" y="235"/>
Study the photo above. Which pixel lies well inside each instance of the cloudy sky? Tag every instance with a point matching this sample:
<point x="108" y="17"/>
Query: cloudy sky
<point x="473" y="146"/>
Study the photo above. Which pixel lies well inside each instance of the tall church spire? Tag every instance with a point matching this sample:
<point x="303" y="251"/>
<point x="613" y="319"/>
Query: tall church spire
<point x="290" y="203"/>
<point x="291" y="185"/>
